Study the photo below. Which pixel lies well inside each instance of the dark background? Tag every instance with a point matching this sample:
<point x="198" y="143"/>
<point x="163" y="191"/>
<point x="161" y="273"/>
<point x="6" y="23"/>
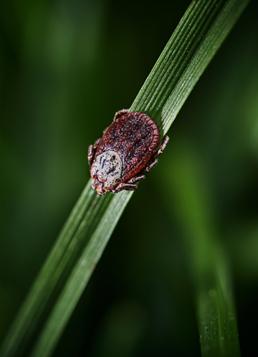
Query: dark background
<point x="65" y="68"/>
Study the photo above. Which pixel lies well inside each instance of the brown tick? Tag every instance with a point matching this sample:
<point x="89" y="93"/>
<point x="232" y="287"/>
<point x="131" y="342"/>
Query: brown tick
<point x="128" y="148"/>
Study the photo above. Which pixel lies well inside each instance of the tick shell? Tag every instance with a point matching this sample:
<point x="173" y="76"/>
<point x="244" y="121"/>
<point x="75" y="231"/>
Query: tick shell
<point x="133" y="139"/>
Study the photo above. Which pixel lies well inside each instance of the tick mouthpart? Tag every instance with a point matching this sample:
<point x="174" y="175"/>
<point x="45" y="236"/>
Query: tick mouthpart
<point x="100" y="191"/>
<point x="98" y="186"/>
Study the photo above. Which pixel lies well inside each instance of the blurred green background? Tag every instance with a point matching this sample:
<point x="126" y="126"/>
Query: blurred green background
<point x="65" y="68"/>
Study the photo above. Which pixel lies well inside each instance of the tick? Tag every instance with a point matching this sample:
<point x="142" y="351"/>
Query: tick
<point x="128" y="148"/>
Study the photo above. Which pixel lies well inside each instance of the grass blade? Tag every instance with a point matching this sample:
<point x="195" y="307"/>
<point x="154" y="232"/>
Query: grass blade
<point x="198" y="36"/>
<point x="81" y="274"/>
<point x="216" y="312"/>
<point x="207" y="263"/>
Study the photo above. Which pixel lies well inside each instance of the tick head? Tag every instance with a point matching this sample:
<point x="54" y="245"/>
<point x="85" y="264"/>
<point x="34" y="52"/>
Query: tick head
<point x="106" y="171"/>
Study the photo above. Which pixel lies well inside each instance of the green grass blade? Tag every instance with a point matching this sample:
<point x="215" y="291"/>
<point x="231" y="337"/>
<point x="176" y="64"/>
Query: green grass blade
<point x="207" y="262"/>
<point x="193" y="44"/>
<point x="81" y="274"/>
<point x="190" y="49"/>
<point x="216" y="312"/>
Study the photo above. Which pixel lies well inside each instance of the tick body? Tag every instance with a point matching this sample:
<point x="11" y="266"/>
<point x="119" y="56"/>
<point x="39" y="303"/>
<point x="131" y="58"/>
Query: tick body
<point x="128" y="149"/>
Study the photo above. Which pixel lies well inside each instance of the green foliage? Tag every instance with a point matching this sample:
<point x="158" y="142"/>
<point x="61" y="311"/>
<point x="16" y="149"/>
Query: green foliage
<point x="79" y="247"/>
<point x="206" y="260"/>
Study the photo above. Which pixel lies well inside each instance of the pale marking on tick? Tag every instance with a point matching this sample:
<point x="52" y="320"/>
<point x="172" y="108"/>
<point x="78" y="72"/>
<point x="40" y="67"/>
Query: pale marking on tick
<point x="106" y="169"/>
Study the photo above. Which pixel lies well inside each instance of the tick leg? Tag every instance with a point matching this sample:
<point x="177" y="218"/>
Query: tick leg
<point x="159" y="152"/>
<point x="136" y="179"/>
<point x="125" y="186"/>
<point x="90" y="154"/>
<point x="120" y="113"/>
<point x="130" y="185"/>
<point x="163" y="145"/>
<point x="151" y="165"/>
<point x="91" y="151"/>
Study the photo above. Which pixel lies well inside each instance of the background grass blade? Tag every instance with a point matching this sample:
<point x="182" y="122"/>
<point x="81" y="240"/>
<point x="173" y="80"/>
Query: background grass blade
<point x="206" y="260"/>
<point x="216" y="312"/>
<point x="66" y="272"/>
